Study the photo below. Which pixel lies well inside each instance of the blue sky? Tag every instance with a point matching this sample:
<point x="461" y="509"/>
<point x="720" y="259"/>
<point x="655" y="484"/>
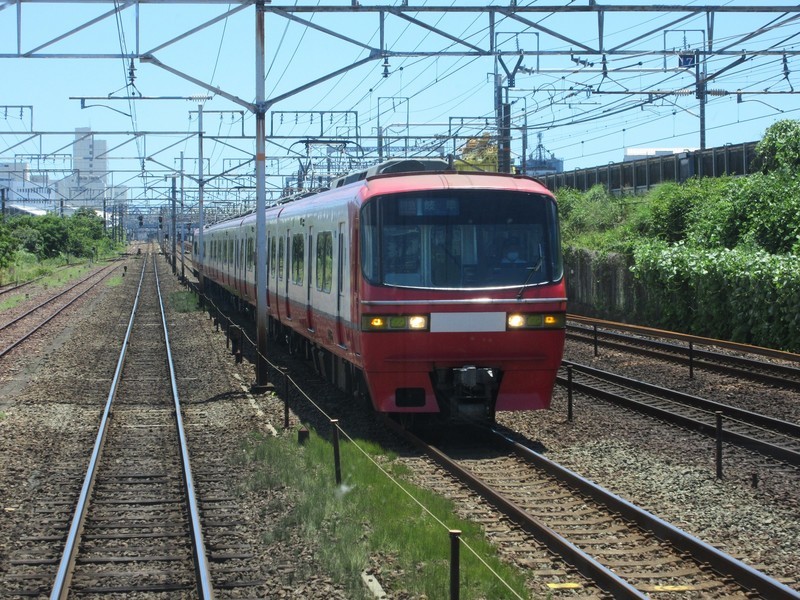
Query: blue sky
<point x="580" y="111"/>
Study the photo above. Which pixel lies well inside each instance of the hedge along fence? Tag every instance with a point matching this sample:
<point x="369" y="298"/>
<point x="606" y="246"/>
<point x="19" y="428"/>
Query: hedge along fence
<point x="743" y="296"/>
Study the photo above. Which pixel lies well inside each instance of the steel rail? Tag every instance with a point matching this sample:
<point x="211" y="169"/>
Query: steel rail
<point x="583" y="562"/>
<point x="778" y="452"/>
<point x="13" y="287"/>
<point x="64" y="573"/>
<point x="755" y="370"/>
<point x="721" y="562"/>
<point x="650" y="331"/>
<point x="204" y="586"/>
<point x="785" y="427"/>
<point x="49" y="300"/>
<point x="24" y="337"/>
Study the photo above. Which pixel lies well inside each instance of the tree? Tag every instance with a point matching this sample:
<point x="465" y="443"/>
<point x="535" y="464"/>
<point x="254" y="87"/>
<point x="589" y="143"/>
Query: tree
<point x="85" y="230"/>
<point x="478" y="154"/>
<point x="8" y="246"/>
<point x="779" y="148"/>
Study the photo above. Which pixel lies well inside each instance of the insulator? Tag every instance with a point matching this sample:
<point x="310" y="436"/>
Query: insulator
<point x="717" y="92"/>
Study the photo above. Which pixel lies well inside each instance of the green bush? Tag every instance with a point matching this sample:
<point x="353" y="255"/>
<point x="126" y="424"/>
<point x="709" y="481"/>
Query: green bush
<point x="673" y="207"/>
<point x="595" y="219"/>
<point x="747" y="296"/>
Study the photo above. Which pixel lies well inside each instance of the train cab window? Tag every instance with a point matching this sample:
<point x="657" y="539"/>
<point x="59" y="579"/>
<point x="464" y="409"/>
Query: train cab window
<point x="298" y="253"/>
<point x="461" y="239"/>
<point x="324" y="261"/>
<point x="401" y="249"/>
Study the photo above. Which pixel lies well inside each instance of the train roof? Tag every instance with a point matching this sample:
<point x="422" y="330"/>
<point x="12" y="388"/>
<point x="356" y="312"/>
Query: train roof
<point x="404" y="175"/>
<point x="395" y="165"/>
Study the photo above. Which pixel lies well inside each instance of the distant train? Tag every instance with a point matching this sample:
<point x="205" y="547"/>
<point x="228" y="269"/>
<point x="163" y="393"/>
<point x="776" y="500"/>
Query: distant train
<point x="423" y="289"/>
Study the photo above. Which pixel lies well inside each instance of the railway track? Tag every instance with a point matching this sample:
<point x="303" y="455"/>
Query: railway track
<point x="136" y="525"/>
<point x="19" y="328"/>
<point x="626" y="551"/>
<point x="741" y="360"/>
<point x="759" y="433"/>
<point x="15" y="287"/>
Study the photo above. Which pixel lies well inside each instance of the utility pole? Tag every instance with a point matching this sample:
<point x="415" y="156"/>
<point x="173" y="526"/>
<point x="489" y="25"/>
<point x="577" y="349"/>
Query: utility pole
<point x="261" y="205"/>
<point x="183" y="227"/>
<point x="700" y="94"/>
<point x="174" y="225"/>
<point x="200" y="185"/>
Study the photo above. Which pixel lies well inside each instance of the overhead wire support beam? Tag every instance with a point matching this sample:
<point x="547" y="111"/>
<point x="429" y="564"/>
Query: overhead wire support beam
<point x="211" y="88"/>
<point x="311" y="25"/>
<point x="117" y="9"/>
<point x="437" y="31"/>
<point x="513" y="15"/>
<point x="197" y="29"/>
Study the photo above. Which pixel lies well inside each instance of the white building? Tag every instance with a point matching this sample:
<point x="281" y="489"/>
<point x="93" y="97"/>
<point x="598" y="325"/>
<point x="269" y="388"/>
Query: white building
<point x="84" y="183"/>
<point x="640" y="153"/>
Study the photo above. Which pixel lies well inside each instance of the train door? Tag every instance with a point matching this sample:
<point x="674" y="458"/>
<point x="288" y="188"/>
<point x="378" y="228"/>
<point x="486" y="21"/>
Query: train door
<point x="277" y="255"/>
<point x="270" y="259"/>
<point x="238" y="266"/>
<point x="310" y="255"/>
<point x="341" y="266"/>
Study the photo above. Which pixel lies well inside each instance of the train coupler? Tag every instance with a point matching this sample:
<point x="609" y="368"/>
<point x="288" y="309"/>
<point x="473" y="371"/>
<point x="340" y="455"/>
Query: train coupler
<point x="467" y="393"/>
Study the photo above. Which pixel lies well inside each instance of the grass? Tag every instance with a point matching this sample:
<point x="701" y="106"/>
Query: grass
<point x="184" y="302"/>
<point x="51" y="276"/>
<point x="114" y="281"/>
<point x="369" y="516"/>
<point x="11" y="302"/>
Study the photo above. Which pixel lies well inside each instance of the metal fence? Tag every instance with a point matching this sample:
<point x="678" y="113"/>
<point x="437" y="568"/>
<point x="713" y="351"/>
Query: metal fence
<point x="637" y="176"/>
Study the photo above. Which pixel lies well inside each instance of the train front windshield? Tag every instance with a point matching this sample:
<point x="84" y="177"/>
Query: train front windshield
<point x="461" y="239"/>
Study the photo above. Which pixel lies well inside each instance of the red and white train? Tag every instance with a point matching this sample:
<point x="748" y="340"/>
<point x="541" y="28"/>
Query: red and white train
<point x="424" y="289"/>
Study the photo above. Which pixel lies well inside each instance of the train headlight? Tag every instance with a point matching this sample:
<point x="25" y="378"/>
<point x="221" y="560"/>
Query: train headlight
<point x="377" y="322"/>
<point x="536" y="321"/>
<point x="394" y="323"/>
<point x="418" y="322"/>
<point x="516" y="321"/>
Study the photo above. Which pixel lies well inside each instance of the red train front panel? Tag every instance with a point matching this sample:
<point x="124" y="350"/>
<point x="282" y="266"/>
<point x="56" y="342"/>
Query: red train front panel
<point x="462" y="300"/>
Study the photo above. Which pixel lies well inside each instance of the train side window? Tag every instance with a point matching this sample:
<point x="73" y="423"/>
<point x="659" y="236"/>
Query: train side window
<point x="272" y="255"/>
<point x="280" y="261"/>
<point x="324" y="261"/>
<point x="298" y="254"/>
<point x="251" y="252"/>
